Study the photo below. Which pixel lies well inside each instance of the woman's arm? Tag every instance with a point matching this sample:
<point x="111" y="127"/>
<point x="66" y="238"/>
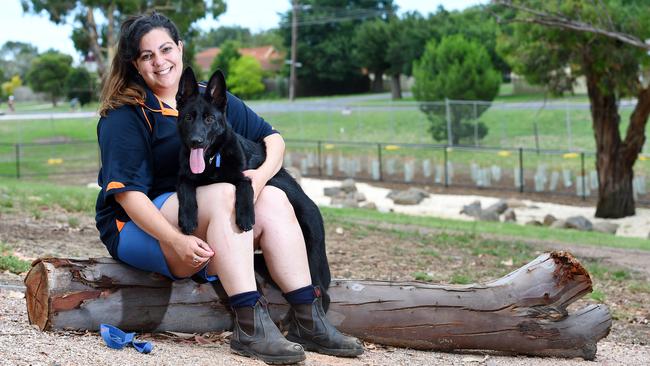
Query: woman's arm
<point x="274" y="159"/>
<point x="145" y="214"/>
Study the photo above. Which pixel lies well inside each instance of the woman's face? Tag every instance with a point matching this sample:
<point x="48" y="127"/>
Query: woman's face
<point x="160" y="61"/>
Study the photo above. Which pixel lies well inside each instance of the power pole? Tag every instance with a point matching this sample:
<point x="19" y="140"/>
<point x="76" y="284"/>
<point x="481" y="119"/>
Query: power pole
<point x="294" y="52"/>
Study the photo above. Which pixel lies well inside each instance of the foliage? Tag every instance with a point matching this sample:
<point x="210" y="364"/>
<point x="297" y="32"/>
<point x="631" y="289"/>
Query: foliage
<point x="216" y="37"/>
<point x="15" y="58"/>
<point x="48" y="72"/>
<point x="370" y="47"/>
<point x="325" y="43"/>
<point x="82" y="85"/>
<point x="9" y="262"/>
<point x="245" y="79"/>
<point x="455" y="69"/>
<point x="228" y="54"/>
<point x="100" y="38"/>
<point x="10" y="86"/>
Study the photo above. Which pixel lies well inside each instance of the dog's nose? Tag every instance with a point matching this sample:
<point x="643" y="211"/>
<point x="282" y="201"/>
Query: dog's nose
<point x="196" y="141"/>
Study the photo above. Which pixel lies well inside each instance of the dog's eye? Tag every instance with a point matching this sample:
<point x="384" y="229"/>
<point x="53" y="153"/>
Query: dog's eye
<point x="210" y="119"/>
<point x="188" y="117"/>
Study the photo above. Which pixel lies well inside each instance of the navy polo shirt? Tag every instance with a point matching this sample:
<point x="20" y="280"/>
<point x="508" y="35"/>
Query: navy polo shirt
<point x="140" y="145"/>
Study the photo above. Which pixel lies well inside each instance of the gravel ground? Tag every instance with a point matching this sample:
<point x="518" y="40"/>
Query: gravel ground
<point x="22" y="344"/>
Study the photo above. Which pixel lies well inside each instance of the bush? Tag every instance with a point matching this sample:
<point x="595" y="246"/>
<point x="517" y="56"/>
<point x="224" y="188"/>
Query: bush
<point x="80" y="84"/>
<point x="455" y="69"/>
<point x="245" y="79"/>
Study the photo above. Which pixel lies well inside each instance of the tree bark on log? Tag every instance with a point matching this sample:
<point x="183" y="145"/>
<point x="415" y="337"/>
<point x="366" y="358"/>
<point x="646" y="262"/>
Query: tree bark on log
<point x="524" y="312"/>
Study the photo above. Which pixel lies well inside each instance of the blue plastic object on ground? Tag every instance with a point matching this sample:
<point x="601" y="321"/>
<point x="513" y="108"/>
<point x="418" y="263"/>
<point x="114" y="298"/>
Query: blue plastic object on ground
<point x="115" y="338"/>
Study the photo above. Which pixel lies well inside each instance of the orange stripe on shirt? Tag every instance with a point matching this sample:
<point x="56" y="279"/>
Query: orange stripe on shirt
<point x="113" y="185"/>
<point x="120" y="224"/>
<point x="147" y="118"/>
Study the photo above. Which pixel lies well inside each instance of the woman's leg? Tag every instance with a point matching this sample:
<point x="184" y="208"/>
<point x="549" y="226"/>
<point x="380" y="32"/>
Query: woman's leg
<point x="278" y="234"/>
<point x="233" y="258"/>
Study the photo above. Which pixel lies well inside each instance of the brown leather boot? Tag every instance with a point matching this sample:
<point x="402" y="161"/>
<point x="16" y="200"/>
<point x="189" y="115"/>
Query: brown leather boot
<point x="255" y="335"/>
<point x="308" y="325"/>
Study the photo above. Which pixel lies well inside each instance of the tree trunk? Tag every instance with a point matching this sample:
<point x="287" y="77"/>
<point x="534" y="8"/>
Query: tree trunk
<point x="614" y="167"/>
<point x="93" y="37"/>
<point x="523" y="312"/>
<point x="378" y="82"/>
<point x="395" y="87"/>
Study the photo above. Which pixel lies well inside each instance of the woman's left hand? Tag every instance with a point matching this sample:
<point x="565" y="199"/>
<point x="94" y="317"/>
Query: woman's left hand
<point x="258" y="181"/>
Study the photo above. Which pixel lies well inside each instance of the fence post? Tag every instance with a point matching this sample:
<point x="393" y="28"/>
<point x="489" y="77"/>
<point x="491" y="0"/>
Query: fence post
<point x="381" y="168"/>
<point x="450" y="137"/>
<point x="446" y="163"/>
<point x="320" y="158"/>
<point x="521" y="170"/>
<point x="584" y="177"/>
<point x="17" y="148"/>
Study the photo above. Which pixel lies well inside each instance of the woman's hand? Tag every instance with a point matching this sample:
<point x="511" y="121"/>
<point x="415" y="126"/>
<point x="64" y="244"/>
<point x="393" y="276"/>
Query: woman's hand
<point x="191" y="250"/>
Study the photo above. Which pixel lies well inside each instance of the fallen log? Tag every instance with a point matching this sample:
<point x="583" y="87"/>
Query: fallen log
<point x="525" y="312"/>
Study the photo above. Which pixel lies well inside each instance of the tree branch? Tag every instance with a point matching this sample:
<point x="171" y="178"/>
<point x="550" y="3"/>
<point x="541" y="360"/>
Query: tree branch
<point x="560" y="21"/>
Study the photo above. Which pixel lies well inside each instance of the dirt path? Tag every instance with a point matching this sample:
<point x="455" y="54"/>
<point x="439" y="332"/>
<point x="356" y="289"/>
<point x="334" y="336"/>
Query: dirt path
<point x="356" y="251"/>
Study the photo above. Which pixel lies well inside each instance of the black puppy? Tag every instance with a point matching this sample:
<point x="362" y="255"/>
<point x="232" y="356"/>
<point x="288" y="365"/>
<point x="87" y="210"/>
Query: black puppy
<point x="212" y="152"/>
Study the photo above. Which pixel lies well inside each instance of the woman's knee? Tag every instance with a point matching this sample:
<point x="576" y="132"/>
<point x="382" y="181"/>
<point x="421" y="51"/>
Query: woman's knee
<point x="273" y="202"/>
<point x="218" y="195"/>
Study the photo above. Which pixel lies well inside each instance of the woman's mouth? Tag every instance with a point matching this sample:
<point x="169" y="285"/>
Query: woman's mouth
<point x="164" y="71"/>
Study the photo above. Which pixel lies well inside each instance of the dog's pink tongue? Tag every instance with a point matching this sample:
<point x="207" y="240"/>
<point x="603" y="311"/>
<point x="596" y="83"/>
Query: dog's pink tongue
<point x="197" y="162"/>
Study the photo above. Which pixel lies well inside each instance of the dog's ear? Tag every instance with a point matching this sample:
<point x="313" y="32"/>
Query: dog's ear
<point x="216" y="91"/>
<point x="187" y="87"/>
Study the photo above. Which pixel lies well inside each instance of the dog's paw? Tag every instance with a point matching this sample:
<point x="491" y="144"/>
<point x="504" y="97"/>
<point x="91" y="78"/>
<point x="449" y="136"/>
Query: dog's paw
<point x="245" y="222"/>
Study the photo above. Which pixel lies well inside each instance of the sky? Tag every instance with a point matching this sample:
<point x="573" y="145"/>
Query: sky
<point x="256" y="15"/>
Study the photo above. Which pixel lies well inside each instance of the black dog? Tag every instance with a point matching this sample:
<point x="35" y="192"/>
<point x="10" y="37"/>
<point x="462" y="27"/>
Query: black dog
<point x="212" y="152"/>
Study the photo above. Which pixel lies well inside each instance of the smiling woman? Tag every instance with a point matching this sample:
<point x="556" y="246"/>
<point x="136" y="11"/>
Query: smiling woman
<point x="137" y="207"/>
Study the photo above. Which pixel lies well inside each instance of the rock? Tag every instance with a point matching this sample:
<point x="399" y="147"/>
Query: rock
<point x="294" y="172"/>
<point x="558" y="224"/>
<point x="605" y="227"/>
<point x="473" y="209"/>
<point x="407" y="198"/>
<point x="579" y="223"/>
<point x="420" y="191"/>
<point x="344" y="202"/>
<point x="533" y="223"/>
<point x="357" y="196"/>
<point x="486" y="215"/>
<point x="499" y="207"/>
<point x="515" y="203"/>
<point x="368" y="206"/>
<point x="348" y="185"/>
<point x="509" y="215"/>
<point x="549" y="220"/>
<point x="331" y="191"/>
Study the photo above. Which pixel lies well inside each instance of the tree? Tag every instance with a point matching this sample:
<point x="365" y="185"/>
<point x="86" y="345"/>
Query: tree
<point x="48" y="72"/>
<point x="245" y="79"/>
<point x="229" y="53"/>
<point x="15" y="58"/>
<point x="598" y="40"/>
<point x="455" y="69"/>
<point x="407" y="37"/>
<point x="325" y="44"/>
<point x="89" y="35"/>
<point x="10" y="86"/>
<point x="216" y="37"/>
<point x="370" y="46"/>
<point x="81" y="84"/>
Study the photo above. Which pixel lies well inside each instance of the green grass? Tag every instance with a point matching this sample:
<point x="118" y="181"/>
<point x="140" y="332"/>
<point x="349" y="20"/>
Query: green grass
<point x="597" y="295"/>
<point x="33" y="196"/>
<point x="497" y="228"/>
<point x="47" y="107"/>
<point x="8" y="262"/>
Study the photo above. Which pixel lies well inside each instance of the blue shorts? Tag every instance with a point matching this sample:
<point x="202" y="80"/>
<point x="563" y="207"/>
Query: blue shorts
<point x="141" y="250"/>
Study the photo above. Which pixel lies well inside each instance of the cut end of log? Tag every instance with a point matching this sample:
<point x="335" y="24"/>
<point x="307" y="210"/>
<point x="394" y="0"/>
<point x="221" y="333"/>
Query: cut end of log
<point x="568" y="267"/>
<point x="37" y="296"/>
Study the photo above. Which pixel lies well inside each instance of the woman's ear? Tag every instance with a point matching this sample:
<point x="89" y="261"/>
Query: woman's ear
<point x="180" y="46"/>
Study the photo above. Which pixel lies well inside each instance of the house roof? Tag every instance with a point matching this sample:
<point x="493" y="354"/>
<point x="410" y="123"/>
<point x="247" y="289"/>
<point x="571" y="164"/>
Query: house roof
<point x="269" y="58"/>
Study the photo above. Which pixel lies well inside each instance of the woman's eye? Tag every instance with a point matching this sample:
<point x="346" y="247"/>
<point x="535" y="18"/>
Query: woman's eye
<point x="146" y="57"/>
<point x="167" y="49"/>
<point x="209" y="119"/>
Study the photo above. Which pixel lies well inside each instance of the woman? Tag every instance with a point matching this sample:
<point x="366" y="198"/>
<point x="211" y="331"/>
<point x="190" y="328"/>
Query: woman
<point x="137" y="209"/>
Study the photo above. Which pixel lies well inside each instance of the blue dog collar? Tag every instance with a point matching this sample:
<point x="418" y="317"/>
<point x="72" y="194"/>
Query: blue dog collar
<point x="217" y="160"/>
<point x="115" y="338"/>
